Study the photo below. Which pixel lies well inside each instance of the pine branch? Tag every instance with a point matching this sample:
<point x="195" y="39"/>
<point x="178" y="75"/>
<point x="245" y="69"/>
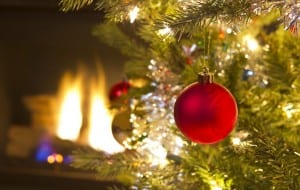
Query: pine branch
<point x="275" y="161"/>
<point x="199" y="13"/>
<point x="282" y="69"/>
<point x="117" y="188"/>
<point x="192" y="16"/>
<point x="271" y="157"/>
<point x="87" y="159"/>
<point x="108" y="166"/>
<point x="114" y="37"/>
<point x="68" y="5"/>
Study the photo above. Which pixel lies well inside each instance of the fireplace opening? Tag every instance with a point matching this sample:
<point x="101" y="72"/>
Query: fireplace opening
<point x="38" y="46"/>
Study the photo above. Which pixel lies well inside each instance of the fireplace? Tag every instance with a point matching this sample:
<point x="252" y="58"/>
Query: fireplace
<point x="38" y="45"/>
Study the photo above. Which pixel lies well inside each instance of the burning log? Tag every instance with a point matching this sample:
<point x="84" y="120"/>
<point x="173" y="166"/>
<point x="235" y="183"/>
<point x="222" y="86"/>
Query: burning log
<point x="79" y="115"/>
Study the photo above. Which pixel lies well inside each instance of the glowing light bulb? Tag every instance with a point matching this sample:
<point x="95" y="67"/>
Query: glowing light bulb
<point x="216" y="188"/>
<point x="288" y="109"/>
<point x="229" y="30"/>
<point x="264" y="82"/>
<point x="133" y="14"/>
<point x="214" y="185"/>
<point x="59" y="158"/>
<point x="165" y="31"/>
<point x="251" y="43"/>
<point x="51" y="159"/>
<point x="236" y="141"/>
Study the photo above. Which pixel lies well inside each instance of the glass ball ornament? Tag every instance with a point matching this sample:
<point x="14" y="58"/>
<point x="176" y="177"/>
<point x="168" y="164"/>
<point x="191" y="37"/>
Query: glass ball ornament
<point x="205" y="112"/>
<point x="119" y="89"/>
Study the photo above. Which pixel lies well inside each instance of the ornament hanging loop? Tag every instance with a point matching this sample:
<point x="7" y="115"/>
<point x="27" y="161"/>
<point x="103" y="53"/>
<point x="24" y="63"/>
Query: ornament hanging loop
<point x="205" y="77"/>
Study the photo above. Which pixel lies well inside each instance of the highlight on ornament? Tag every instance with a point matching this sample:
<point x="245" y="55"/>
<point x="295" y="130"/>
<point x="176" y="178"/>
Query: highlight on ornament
<point x="205" y="112"/>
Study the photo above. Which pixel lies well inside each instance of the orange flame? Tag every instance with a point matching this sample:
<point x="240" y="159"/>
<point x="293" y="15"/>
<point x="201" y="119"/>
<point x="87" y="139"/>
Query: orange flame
<point x="100" y="118"/>
<point x="70" y="115"/>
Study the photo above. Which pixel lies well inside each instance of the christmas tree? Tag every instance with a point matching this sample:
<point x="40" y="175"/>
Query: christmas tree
<point x="251" y="47"/>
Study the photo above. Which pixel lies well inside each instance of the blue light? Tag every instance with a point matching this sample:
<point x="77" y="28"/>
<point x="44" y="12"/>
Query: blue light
<point x="43" y="150"/>
<point x="247" y="73"/>
<point x="68" y="159"/>
<point x="250" y="73"/>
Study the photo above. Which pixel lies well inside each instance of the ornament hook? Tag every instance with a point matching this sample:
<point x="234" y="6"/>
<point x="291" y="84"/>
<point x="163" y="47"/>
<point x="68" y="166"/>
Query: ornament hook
<point x="205" y="77"/>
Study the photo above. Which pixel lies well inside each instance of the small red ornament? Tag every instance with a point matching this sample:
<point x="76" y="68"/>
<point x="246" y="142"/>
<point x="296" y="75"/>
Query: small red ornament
<point x="205" y="112"/>
<point x="118" y="90"/>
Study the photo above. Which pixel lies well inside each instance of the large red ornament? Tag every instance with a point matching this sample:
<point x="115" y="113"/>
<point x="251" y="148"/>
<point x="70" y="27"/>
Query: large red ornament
<point x="205" y="112"/>
<point x="118" y="90"/>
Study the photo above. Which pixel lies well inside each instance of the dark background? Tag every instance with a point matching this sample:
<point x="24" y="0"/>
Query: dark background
<point x="38" y="44"/>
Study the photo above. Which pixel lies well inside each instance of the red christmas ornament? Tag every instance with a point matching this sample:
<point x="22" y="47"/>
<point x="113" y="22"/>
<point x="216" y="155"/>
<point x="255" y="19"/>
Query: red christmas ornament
<point x="205" y="112"/>
<point x="119" y="89"/>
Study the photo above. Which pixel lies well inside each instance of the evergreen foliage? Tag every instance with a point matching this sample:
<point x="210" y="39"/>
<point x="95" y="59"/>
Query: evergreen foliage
<point x="264" y="79"/>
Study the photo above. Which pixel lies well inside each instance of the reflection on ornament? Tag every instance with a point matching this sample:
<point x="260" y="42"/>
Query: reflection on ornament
<point x="121" y="126"/>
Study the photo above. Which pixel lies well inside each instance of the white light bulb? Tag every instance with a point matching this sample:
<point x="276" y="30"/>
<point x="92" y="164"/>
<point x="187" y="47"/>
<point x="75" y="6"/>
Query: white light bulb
<point x="165" y="31"/>
<point x="251" y="43"/>
<point x="236" y="141"/>
<point x="133" y="14"/>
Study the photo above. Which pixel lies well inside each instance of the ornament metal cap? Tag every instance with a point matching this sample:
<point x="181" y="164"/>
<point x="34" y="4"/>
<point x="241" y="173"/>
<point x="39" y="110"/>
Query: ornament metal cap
<point x="205" y="77"/>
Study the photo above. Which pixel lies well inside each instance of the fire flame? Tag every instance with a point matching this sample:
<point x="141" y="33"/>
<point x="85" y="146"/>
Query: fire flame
<point x="70" y="115"/>
<point x="100" y="118"/>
